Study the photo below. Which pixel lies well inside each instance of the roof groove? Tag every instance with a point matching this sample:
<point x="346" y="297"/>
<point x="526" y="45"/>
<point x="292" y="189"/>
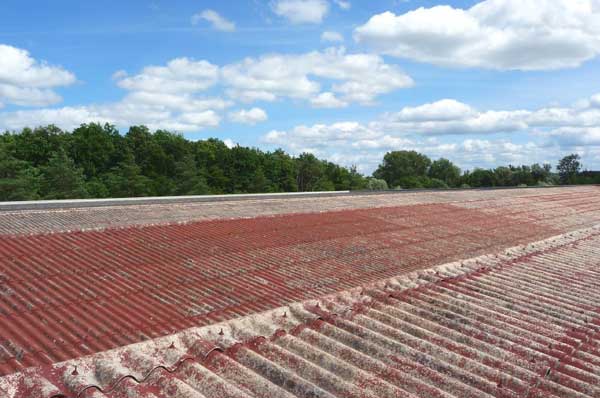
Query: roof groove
<point x="375" y="366"/>
<point x="119" y="286"/>
<point x="383" y="333"/>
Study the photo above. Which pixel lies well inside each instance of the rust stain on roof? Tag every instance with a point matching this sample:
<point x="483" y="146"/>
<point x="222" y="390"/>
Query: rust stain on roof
<point x="523" y="322"/>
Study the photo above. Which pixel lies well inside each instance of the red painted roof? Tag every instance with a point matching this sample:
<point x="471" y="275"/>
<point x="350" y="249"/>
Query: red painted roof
<point x="65" y="295"/>
<point x="519" y="323"/>
<point x="14" y="222"/>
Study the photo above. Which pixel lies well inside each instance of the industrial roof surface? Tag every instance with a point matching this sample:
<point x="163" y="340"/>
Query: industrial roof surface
<point x="84" y="218"/>
<point x="77" y="283"/>
<point x="523" y="322"/>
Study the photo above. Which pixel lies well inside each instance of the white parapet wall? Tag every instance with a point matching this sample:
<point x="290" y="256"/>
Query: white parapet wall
<point x="76" y="203"/>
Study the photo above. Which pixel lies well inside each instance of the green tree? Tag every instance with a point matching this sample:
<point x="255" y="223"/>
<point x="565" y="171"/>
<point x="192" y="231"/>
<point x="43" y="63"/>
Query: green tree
<point x="568" y="168"/>
<point x="260" y="183"/>
<point x="522" y="175"/>
<point x="356" y="180"/>
<point x="190" y="180"/>
<point x="96" y="188"/>
<point x="323" y="184"/>
<point x="435" y="183"/>
<point x="93" y="147"/>
<point x="399" y="168"/>
<point x="214" y="156"/>
<point x="444" y="170"/>
<point x="98" y="161"/>
<point x="503" y="176"/>
<point x="376" y="184"/>
<point x="309" y="172"/>
<point x="38" y="145"/>
<point x="541" y="173"/>
<point x="245" y="170"/>
<point x="480" y="178"/>
<point x="173" y="148"/>
<point x="62" y="179"/>
<point x="148" y="155"/>
<point x="126" y="180"/>
<point x="18" y="179"/>
<point x="280" y="169"/>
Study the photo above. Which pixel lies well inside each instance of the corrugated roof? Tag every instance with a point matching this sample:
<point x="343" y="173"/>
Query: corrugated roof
<point x="65" y="295"/>
<point x="520" y="323"/>
<point x="75" y="219"/>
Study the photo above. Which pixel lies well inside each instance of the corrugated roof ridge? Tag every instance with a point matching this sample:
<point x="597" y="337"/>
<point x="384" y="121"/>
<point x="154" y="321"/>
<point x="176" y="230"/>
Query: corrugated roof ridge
<point x="273" y="323"/>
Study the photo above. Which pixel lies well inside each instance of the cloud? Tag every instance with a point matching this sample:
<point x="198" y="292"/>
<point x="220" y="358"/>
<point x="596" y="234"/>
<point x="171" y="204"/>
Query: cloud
<point x="175" y="95"/>
<point x="576" y="136"/>
<point x="449" y="128"/>
<point x="250" y="116"/>
<point x="495" y="34"/>
<point x="327" y="100"/>
<point x="229" y="143"/>
<point x="344" y="5"/>
<point x="353" y="143"/>
<point x="301" y="11"/>
<point x="168" y="97"/>
<point x="216" y="20"/>
<point x="354" y="77"/>
<point x="180" y="75"/>
<point x="442" y="110"/>
<point x="122" y="114"/>
<point x="330" y="36"/>
<point x="25" y="81"/>
<point x="450" y="117"/>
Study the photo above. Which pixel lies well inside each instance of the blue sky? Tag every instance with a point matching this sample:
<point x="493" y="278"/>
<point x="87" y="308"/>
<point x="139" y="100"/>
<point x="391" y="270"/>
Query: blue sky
<point x="482" y="83"/>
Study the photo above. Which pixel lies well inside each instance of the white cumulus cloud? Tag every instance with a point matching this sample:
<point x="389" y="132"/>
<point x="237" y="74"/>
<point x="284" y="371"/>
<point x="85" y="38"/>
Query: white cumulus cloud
<point x="301" y="11"/>
<point x="179" y="75"/>
<point x="453" y="117"/>
<point x="168" y="97"/>
<point x="26" y="81"/>
<point x="249" y="116"/>
<point x="453" y="129"/>
<point x="215" y="19"/>
<point x="344" y="5"/>
<point x="353" y="77"/>
<point x="327" y="100"/>
<point x="229" y="143"/>
<point x="442" y="110"/>
<point x="495" y="34"/>
<point x="334" y="37"/>
<point x="176" y="95"/>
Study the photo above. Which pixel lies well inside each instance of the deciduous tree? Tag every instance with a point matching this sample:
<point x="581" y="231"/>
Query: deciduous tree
<point x="568" y="167"/>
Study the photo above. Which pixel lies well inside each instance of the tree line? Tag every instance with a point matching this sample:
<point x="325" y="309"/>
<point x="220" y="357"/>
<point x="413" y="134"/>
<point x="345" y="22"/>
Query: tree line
<point x="410" y="169"/>
<point x="96" y="161"/>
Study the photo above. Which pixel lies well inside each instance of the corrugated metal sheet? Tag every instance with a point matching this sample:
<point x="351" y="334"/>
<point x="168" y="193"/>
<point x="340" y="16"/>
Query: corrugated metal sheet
<point x="65" y="295"/>
<point x="54" y="220"/>
<point x="520" y="323"/>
